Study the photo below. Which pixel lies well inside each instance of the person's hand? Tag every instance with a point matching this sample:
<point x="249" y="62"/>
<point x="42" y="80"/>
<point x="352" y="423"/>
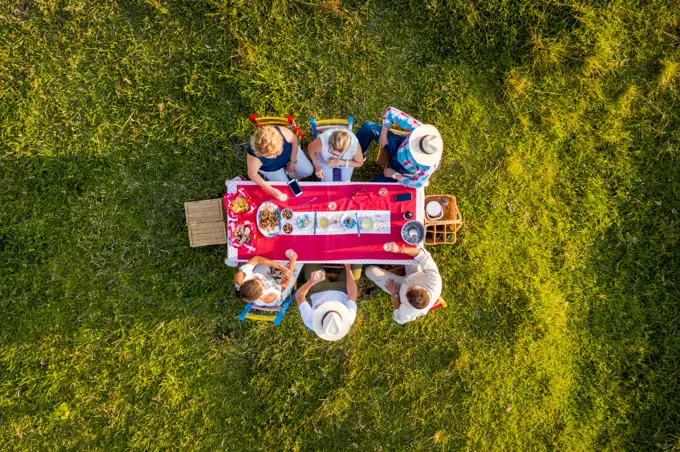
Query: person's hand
<point x="388" y="172"/>
<point x="392" y="287"/>
<point x="392" y="247"/>
<point x="318" y="276"/>
<point x="279" y="195"/>
<point x="382" y="141"/>
<point x="318" y="170"/>
<point x="291" y="167"/>
<point x="335" y="162"/>
<point x="286" y="272"/>
<point x="290" y="254"/>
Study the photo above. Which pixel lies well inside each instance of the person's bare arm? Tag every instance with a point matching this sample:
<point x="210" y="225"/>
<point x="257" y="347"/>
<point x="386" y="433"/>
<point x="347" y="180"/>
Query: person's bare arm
<point x="409" y="251"/>
<point x="393" y="288"/>
<point x="238" y="278"/>
<point x="358" y="159"/>
<point x="301" y="294"/>
<point x="351" y="284"/>
<point x="271" y="298"/>
<point x="254" y="165"/>
<point x="314" y="149"/>
<point x="270" y="263"/>
<point x="291" y="268"/>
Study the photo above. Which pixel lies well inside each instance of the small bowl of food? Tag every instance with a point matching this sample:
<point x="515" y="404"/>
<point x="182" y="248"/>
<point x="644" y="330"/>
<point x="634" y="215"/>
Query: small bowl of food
<point x="348" y="221"/>
<point x="287" y="228"/>
<point x="322" y="222"/>
<point x="305" y="222"/>
<point x="287" y="214"/>
<point x="367" y="224"/>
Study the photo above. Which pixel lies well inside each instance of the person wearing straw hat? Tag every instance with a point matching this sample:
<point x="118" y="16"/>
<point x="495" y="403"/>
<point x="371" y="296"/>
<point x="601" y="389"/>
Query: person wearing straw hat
<point x="333" y="308"/>
<point x="414" y="157"/>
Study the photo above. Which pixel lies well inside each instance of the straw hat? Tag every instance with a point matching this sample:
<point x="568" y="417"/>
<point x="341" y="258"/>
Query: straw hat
<point x="426" y="145"/>
<point x="330" y="321"/>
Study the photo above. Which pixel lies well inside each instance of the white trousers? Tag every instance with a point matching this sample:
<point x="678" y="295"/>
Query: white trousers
<point x="380" y="276"/>
<point x="303" y="168"/>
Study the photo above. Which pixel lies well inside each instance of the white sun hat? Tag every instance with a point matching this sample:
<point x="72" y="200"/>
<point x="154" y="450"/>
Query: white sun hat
<point x="330" y="321"/>
<point x="426" y="145"/>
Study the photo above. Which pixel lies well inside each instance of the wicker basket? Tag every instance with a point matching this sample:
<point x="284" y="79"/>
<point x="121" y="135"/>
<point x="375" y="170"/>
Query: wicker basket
<point x="205" y="220"/>
<point x="444" y="230"/>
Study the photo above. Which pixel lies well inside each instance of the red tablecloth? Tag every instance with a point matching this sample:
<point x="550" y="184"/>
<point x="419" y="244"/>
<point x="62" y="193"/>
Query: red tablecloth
<point x="348" y="248"/>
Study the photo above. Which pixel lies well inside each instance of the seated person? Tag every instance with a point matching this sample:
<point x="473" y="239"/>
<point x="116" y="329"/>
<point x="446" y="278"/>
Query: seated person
<point x="335" y="148"/>
<point x="265" y="282"/>
<point x="333" y="309"/>
<point x="274" y="153"/>
<point x="414" y="294"/>
<point x="413" y="157"/>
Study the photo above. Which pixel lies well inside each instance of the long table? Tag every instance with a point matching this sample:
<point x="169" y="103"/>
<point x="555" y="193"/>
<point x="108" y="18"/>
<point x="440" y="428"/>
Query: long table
<point x="335" y="244"/>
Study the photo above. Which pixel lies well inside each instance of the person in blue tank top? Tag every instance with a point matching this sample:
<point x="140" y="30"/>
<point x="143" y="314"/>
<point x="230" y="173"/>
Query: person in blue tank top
<point x="274" y="153"/>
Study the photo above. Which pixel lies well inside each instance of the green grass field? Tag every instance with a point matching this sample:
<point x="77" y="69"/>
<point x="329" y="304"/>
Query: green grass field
<point x="562" y="133"/>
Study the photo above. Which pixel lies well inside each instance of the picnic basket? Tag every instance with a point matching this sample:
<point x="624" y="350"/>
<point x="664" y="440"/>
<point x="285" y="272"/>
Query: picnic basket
<point x="443" y="231"/>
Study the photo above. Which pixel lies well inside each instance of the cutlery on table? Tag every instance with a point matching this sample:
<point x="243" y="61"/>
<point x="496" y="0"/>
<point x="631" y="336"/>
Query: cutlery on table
<point x="315" y="212"/>
<point x="307" y="202"/>
<point x="358" y="227"/>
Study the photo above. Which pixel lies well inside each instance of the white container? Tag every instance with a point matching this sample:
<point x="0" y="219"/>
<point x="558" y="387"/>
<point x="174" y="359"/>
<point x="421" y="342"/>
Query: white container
<point x="434" y="210"/>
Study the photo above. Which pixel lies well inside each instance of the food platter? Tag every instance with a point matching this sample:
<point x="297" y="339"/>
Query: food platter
<point x="269" y="219"/>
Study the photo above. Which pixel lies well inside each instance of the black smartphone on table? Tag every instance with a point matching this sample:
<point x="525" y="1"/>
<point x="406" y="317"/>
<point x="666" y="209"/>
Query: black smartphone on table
<point x="295" y="187"/>
<point x="403" y="197"/>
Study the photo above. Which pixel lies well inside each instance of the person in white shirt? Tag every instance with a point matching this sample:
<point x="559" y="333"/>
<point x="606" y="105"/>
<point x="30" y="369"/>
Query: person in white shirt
<point x="414" y="294"/>
<point x="265" y="282"/>
<point x="333" y="308"/>
<point x="335" y="148"/>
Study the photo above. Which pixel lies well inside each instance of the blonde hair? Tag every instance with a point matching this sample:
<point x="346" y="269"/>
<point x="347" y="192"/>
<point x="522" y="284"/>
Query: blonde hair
<point x="267" y="142"/>
<point x="339" y="141"/>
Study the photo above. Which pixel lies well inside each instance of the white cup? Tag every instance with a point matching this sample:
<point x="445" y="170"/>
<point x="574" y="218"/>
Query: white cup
<point x="434" y="210"/>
